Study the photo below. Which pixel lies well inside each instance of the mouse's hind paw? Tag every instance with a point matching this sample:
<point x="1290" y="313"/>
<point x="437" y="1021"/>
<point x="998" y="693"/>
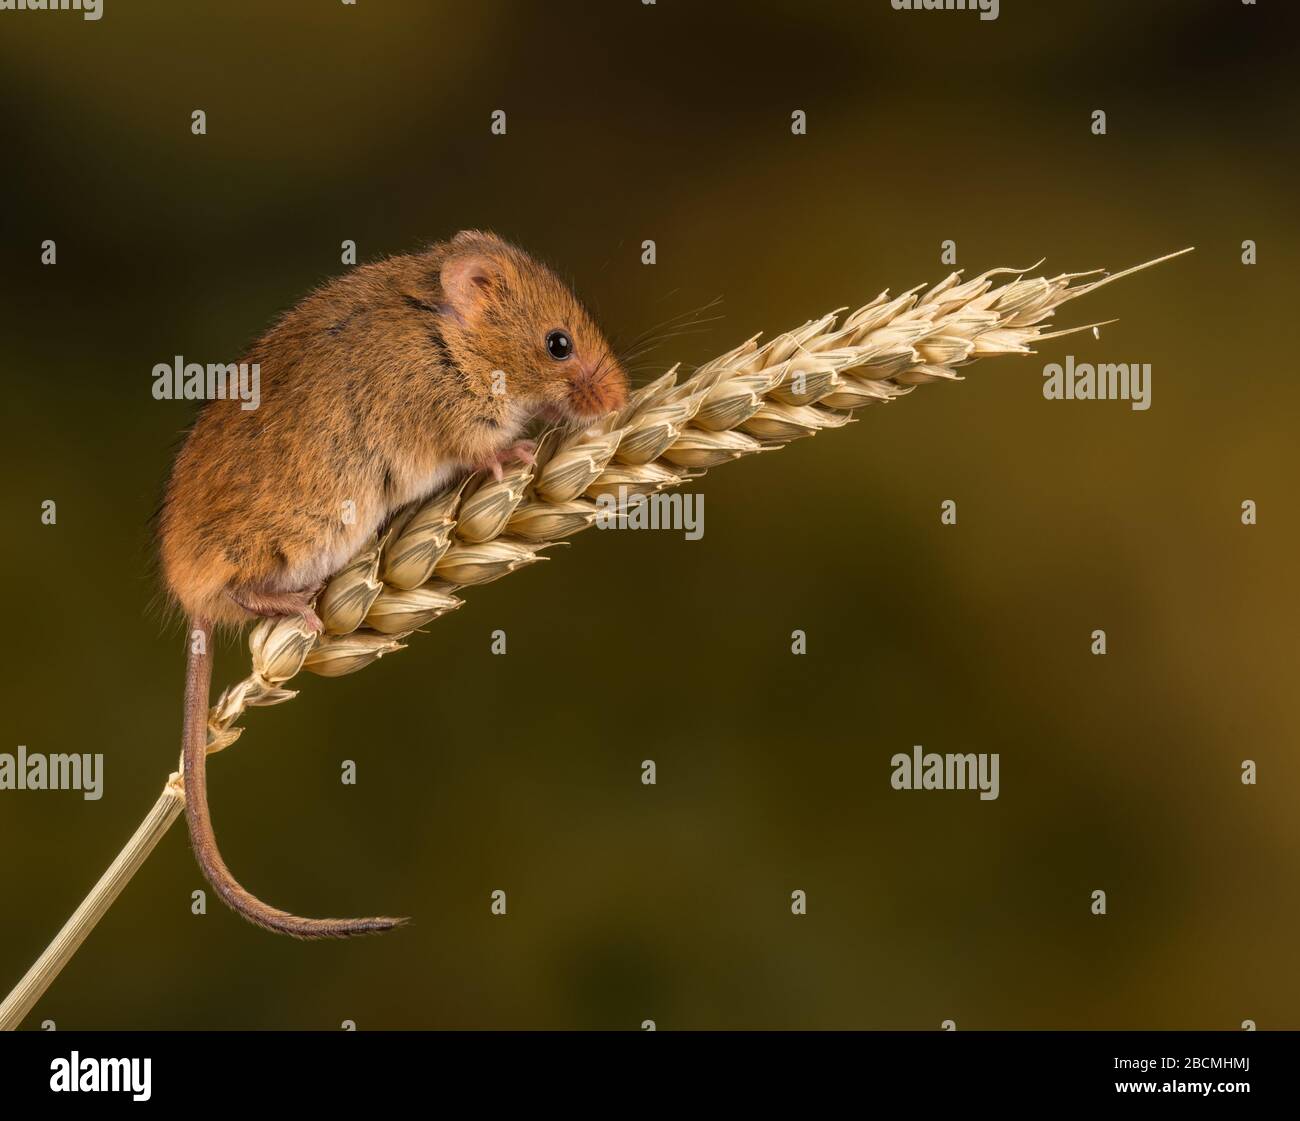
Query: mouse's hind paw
<point x="278" y="605"/>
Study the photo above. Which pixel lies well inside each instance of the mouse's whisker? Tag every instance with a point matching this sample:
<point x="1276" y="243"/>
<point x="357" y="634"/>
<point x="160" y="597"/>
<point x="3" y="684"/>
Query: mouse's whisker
<point x="632" y="354"/>
<point x="667" y="330"/>
<point x="681" y="319"/>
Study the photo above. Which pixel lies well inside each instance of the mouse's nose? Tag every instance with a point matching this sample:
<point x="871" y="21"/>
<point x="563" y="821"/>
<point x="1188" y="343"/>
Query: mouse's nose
<point x="598" y="387"/>
<point x="612" y="383"/>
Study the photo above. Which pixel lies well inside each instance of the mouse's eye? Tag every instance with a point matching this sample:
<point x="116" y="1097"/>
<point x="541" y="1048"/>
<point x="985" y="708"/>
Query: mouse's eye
<point x="559" y="345"/>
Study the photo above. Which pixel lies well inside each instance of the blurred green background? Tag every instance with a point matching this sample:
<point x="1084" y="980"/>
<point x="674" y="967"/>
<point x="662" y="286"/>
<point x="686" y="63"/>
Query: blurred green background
<point x="370" y="122"/>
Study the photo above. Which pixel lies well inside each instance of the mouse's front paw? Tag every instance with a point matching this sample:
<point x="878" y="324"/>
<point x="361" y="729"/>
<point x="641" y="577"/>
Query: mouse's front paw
<point x="521" y="451"/>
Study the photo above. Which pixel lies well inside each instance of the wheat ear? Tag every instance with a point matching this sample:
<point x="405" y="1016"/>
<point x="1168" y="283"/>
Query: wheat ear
<point x="751" y="399"/>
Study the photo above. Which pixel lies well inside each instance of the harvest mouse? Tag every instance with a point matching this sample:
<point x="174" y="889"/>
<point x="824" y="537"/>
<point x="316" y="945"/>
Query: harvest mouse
<point x="376" y="390"/>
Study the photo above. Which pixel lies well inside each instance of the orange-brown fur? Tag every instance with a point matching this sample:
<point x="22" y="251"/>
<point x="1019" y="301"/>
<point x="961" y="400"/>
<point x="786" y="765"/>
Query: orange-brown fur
<point x="359" y="404"/>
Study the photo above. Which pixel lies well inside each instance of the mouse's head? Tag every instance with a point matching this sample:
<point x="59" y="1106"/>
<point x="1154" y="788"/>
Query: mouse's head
<point x="515" y="315"/>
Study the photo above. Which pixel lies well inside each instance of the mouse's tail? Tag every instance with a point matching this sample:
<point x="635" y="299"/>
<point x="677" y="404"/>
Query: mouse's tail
<point x="198" y="681"/>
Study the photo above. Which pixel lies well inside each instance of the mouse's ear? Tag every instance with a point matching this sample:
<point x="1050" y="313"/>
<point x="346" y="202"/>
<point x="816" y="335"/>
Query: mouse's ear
<point x="468" y="280"/>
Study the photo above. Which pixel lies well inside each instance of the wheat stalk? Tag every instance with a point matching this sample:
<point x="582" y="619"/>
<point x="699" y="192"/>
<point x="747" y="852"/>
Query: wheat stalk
<point x="751" y="399"/>
<point x="96" y="904"/>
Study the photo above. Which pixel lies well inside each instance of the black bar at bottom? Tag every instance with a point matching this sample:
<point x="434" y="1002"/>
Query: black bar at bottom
<point x="336" y="1070"/>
